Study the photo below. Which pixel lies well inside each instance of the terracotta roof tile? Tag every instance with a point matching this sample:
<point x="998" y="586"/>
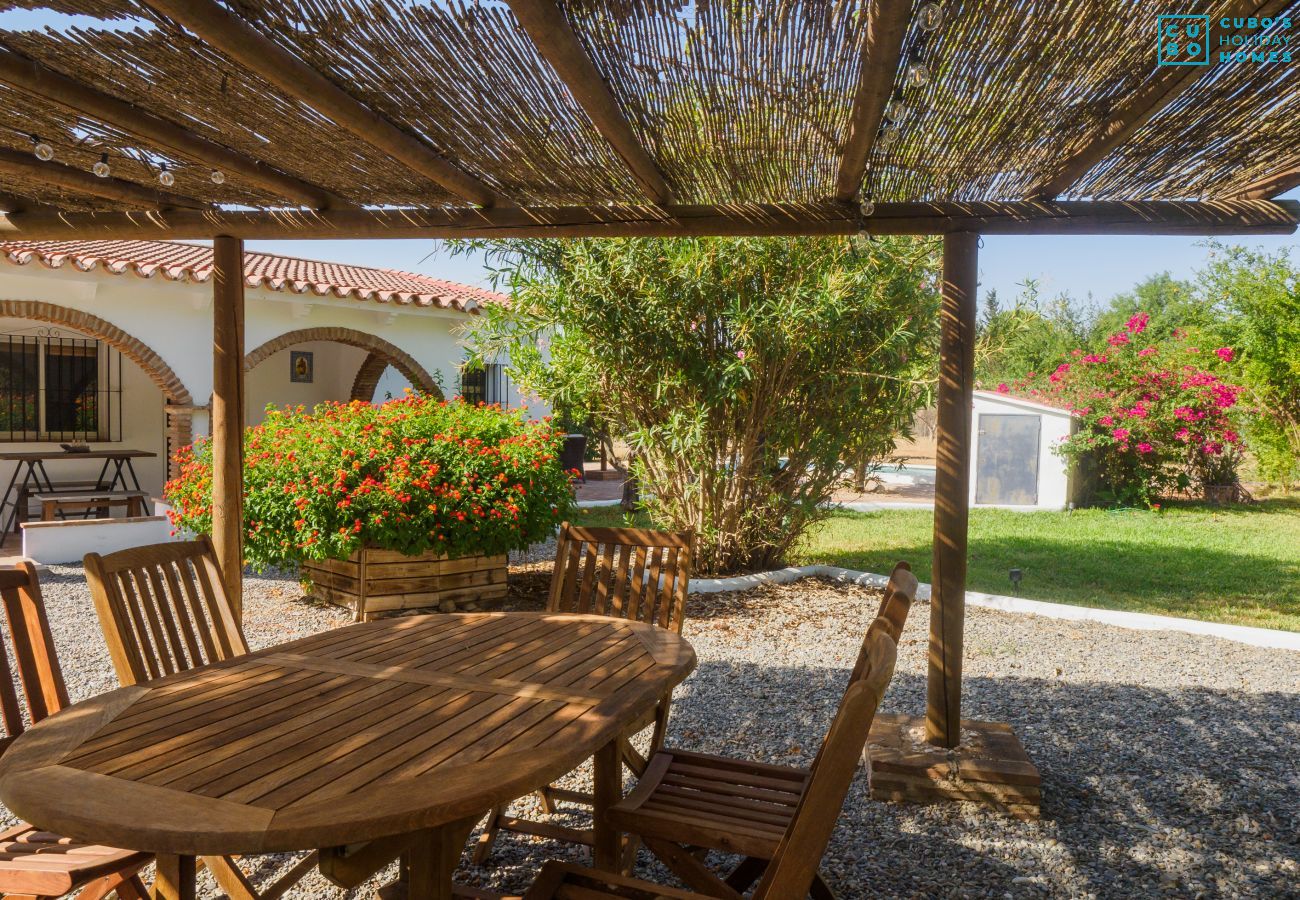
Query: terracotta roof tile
<point x="188" y="262"/>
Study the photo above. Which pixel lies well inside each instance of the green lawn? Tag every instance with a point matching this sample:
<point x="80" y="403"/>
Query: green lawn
<point x="1238" y="565"/>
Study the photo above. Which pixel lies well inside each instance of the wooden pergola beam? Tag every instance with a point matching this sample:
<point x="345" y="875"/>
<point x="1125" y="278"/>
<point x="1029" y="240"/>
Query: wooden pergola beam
<point x="228" y="414"/>
<point x="25" y="165"/>
<point x="886" y="30"/>
<point x="1274" y="185"/>
<point x="735" y="220"/>
<point x="10" y="204"/>
<point x="549" y="30"/>
<point x="1166" y="86"/>
<point x="957" y="315"/>
<point x="239" y="41"/>
<point x="34" y="78"/>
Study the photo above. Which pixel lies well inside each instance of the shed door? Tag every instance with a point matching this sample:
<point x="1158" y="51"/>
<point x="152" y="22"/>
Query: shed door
<point x="1006" y="464"/>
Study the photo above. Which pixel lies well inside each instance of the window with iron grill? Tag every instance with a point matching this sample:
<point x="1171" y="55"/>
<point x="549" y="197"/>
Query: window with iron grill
<point x="56" y="388"/>
<point x="487" y="384"/>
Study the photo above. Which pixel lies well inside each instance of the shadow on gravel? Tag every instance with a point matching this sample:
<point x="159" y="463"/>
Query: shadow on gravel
<point x="1190" y="790"/>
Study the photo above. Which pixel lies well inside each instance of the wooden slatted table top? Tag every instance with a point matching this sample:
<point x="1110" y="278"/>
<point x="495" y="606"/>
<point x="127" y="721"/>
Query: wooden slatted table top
<point x="353" y="734"/>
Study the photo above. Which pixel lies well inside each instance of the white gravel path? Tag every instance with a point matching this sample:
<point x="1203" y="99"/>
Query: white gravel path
<point x="1171" y="763"/>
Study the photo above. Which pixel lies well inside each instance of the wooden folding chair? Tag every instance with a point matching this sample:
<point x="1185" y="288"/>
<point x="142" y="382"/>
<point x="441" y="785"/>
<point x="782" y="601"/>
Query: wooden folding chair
<point x="779" y="818"/>
<point x="163" y="609"/>
<point x="35" y="863"/>
<point x="628" y="573"/>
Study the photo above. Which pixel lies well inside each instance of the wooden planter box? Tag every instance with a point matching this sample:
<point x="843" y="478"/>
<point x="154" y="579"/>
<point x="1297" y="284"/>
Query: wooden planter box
<point x="373" y="581"/>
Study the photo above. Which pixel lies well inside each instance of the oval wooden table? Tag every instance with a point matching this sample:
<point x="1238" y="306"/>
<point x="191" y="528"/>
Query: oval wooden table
<point x="371" y="740"/>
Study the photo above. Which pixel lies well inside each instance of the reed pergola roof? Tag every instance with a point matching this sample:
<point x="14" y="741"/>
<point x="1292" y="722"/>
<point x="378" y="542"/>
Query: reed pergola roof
<point x="331" y="117"/>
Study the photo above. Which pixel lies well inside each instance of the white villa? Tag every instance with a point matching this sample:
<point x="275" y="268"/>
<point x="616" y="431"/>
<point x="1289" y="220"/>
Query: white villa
<point x="109" y="343"/>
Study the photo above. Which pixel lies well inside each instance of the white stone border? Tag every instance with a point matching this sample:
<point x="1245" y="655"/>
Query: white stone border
<point x="1256" y="637"/>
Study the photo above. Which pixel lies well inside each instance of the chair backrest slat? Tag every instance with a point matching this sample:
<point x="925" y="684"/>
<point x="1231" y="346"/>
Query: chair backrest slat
<point x="799" y="853"/>
<point x="33" y="652"/>
<point x="631" y="573"/>
<point x="163" y="609"/>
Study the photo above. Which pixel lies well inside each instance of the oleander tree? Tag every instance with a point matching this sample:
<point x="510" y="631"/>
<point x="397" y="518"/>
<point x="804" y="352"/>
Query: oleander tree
<point x="748" y="376"/>
<point x="1259" y="294"/>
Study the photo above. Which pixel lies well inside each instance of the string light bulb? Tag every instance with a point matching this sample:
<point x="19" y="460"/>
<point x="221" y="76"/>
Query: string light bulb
<point x="896" y="109"/>
<point x="918" y="73"/>
<point x="218" y="176"/>
<point x="101" y="168"/>
<point x="930" y="17"/>
<point x="166" y="178"/>
<point x="868" y="206"/>
<point x="890" y="136"/>
<point x="44" y="152"/>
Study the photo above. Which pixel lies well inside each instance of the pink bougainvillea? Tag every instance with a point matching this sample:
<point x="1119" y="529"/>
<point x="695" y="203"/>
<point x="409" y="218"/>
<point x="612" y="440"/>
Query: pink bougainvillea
<point x="1152" y="419"/>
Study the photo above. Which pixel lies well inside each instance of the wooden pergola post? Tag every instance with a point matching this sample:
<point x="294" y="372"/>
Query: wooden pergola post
<point x="228" y="414"/>
<point x="952" y="487"/>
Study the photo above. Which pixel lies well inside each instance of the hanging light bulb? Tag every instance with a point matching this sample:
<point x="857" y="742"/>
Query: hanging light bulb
<point x="44" y="152"/>
<point x="218" y="176"/>
<point x="166" y="178"/>
<point x="867" y="206"/>
<point x="101" y="168"/>
<point x="889" y="136"/>
<point x="918" y="74"/>
<point x="896" y="109"/>
<point x="930" y="16"/>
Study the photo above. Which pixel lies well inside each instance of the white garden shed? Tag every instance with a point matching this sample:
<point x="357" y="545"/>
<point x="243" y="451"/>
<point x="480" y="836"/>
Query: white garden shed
<point x="1012" y="463"/>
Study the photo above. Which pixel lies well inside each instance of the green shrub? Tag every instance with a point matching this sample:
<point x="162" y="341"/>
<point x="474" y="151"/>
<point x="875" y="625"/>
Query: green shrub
<point x="413" y="475"/>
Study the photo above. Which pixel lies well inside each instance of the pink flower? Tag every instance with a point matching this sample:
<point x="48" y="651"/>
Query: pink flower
<point x="1120" y="434"/>
<point x="1138" y="323"/>
<point x="1003" y="389"/>
<point x="1224" y="353"/>
<point x="740" y="354"/>
<point x="1118" y="339"/>
<point x="1182" y="434"/>
<point x="1147" y="351"/>
<point x="1231" y="437"/>
<point x="1144" y="447"/>
<point x="1107" y="420"/>
<point x="1211" y="448"/>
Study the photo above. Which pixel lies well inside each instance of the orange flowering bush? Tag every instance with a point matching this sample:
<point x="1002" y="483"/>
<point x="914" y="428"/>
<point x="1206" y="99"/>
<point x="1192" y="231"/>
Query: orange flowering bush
<point x="413" y="475"/>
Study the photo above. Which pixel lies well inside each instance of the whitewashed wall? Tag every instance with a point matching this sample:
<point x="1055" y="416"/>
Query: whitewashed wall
<point x="175" y="320"/>
<point x="143" y="421"/>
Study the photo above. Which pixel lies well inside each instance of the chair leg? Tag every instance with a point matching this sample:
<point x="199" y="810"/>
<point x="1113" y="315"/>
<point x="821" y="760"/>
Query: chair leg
<point x="127" y="884"/>
<point x="820" y="890"/>
<point x="229" y="877"/>
<point x="132" y="889"/>
<point x="544" y="797"/>
<point x="746" y="873"/>
<point x="693" y="873"/>
<point x="483" y="849"/>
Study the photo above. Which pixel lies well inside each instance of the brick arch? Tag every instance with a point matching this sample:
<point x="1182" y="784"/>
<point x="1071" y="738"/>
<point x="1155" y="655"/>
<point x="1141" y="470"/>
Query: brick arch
<point x="367" y="380"/>
<point x="176" y="397"/>
<point x="389" y="354"/>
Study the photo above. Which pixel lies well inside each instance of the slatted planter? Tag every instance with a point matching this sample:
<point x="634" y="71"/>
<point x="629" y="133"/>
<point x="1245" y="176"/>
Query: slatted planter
<point x="373" y="581"/>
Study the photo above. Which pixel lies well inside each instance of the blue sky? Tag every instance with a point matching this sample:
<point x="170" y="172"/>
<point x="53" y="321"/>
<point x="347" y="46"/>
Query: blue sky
<point x="1082" y="266"/>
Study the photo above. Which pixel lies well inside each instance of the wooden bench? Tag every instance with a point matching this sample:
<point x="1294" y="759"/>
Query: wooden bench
<point x="53" y="504"/>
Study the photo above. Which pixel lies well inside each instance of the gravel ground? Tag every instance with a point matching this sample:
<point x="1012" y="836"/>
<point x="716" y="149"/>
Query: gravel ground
<point x="1170" y="762"/>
